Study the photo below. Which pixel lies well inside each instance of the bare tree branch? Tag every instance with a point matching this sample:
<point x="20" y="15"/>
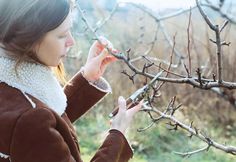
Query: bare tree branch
<point x="196" y="81"/>
<point x="188" y="154"/>
<point x="192" y="130"/>
<point x="207" y="83"/>
<point x="218" y="9"/>
<point x="218" y="42"/>
<point x="188" y="48"/>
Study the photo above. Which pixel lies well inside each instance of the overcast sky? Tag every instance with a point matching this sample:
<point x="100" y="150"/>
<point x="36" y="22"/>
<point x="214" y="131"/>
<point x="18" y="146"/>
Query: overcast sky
<point x="163" y="4"/>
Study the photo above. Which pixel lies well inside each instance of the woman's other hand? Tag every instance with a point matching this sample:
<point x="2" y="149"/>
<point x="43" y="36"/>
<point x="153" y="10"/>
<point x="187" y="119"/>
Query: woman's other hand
<point x="124" y="117"/>
<point x="98" y="59"/>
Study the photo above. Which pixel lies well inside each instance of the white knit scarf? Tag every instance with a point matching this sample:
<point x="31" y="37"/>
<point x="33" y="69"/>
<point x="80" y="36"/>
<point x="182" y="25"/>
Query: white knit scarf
<point x="34" y="79"/>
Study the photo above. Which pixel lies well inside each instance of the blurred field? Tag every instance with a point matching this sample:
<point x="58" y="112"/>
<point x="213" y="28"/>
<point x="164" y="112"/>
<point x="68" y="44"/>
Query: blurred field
<point x="212" y="114"/>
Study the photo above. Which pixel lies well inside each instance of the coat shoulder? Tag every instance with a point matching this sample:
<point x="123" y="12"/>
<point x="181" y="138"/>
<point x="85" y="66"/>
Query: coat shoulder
<point x="14" y="107"/>
<point x="12" y="99"/>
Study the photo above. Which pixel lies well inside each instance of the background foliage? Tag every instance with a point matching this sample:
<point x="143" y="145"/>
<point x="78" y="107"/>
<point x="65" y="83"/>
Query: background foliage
<point x="131" y="28"/>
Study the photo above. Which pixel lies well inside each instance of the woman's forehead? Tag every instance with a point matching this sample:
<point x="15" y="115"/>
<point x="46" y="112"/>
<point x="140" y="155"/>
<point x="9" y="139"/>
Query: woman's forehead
<point x="65" y="25"/>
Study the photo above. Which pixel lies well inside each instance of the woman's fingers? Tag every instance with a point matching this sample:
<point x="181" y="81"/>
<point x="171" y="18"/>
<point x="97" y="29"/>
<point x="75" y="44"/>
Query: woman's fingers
<point x="104" y="59"/>
<point x="136" y="108"/>
<point x="105" y="42"/>
<point x="106" y="62"/>
<point x="108" y="59"/>
<point x="98" y="46"/>
<point x="102" y="55"/>
<point x="101" y="44"/>
<point x="122" y="104"/>
<point x="124" y="117"/>
<point x="99" y="58"/>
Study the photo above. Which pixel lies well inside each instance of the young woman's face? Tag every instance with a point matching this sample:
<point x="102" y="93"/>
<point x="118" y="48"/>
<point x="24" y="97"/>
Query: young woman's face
<point x="55" y="44"/>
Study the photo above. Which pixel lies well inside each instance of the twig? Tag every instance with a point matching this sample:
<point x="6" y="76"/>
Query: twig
<point x="169" y="67"/>
<point x="188" y="154"/>
<point x="194" y="131"/>
<point x="217" y="31"/>
<point x="229" y="17"/>
<point x="188" y="33"/>
<point x="108" y="18"/>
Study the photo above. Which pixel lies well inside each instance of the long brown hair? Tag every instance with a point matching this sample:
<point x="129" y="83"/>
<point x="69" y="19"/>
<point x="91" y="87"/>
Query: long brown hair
<point x="24" y="23"/>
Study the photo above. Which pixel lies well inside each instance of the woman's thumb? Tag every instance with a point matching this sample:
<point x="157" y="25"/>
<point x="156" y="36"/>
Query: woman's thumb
<point x="103" y="54"/>
<point x="122" y="103"/>
<point x="137" y="107"/>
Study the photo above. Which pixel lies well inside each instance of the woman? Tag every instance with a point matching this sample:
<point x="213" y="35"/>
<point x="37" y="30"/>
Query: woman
<point x="36" y="114"/>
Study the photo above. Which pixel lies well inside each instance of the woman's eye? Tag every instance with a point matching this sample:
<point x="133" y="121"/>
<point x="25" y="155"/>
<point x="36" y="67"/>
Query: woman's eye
<point x="62" y="36"/>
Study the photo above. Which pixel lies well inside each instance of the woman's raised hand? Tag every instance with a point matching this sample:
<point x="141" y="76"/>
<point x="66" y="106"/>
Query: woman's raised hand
<point x="124" y="117"/>
<point x="98" y="59"/>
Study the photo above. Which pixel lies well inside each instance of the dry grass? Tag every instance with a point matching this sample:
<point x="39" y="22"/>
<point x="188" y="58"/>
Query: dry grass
<point x="208" y="111"/>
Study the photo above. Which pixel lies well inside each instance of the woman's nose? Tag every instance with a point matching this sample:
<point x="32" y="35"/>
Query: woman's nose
<point x="70" y="41"/>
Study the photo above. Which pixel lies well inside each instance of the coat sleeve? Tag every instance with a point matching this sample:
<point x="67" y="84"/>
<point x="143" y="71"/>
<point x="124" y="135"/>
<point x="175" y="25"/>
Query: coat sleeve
<point x="81" y="96"/>
<point x="36" y="139"/>
<point x="114" y="149"/>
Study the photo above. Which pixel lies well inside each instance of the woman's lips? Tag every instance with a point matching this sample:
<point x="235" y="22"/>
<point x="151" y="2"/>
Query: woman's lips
<point x="65" y="53"/>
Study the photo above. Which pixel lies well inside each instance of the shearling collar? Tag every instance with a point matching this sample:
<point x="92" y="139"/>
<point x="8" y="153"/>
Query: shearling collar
<point x="34" y="79"/>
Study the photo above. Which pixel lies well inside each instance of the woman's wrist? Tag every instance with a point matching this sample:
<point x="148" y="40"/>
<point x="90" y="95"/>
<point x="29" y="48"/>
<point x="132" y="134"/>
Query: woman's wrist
<point x="87" y="76"/>
<point x="118" y="129"/>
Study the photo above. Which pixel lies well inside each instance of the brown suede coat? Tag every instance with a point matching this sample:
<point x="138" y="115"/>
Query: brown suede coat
<point x="39" y="135"/>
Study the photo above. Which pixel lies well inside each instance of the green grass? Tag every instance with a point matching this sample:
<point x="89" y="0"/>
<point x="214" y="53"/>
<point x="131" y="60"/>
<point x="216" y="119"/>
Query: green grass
<point x="154" y="145"/>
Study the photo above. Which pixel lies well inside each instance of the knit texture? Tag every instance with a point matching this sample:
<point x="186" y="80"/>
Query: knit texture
<point x="34" y="79"/>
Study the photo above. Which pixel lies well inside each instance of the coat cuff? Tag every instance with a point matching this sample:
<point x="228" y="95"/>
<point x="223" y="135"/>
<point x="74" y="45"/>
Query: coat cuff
<point x="81" y="96"/>
<point x="127" y="149"/>
<point x="101" y="84"/>
<point x="115" y="148"/>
